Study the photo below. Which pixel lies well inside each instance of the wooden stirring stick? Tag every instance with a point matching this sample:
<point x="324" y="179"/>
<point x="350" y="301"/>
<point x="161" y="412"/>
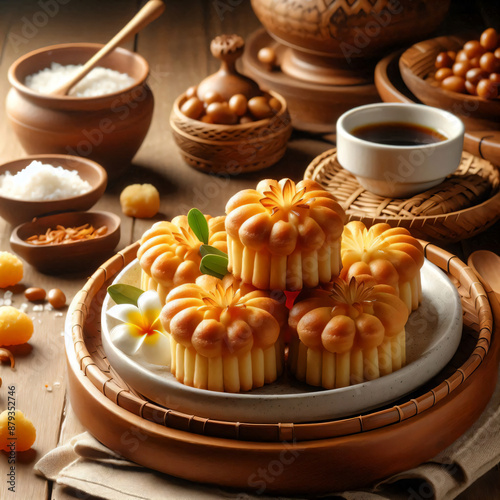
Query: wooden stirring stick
<point x="151" y="11"/>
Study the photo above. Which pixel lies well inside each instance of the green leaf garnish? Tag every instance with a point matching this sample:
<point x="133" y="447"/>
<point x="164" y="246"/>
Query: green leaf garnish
<point x="214" y="265"/>
<point x="210" y="250"/>
<point x="125" y="294"/>
<point x="198" y="225"/>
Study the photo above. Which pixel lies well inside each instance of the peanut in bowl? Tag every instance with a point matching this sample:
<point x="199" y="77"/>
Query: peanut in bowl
<point x="67" y="242"/>
<point x="231" y="149"/>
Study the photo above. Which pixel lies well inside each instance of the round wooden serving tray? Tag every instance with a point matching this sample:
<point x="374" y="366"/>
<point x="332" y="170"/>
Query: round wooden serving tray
<point x="465" y="204"/>
<point x="307" y="458"/>
<point x="482" y="137"/>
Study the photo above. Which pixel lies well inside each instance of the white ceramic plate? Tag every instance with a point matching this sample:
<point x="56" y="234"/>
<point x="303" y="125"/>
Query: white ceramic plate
<point x="433" y="334"/>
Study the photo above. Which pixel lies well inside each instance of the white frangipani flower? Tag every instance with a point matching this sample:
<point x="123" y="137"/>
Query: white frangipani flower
<point x="141" y="332"/>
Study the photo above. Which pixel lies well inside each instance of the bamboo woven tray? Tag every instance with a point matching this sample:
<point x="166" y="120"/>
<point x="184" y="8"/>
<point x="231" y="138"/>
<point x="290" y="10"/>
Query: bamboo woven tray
<point x="313" y="458"/>
<point x="465" y="204"/>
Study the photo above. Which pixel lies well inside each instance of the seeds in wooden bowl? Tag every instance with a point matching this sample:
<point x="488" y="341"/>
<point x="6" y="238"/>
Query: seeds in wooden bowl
<point x="473" y="69"/>
<point x="63" y="235"/>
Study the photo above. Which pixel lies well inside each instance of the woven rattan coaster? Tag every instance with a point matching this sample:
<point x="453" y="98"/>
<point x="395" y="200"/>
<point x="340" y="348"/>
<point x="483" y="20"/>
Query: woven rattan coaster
<point x="466" y="203"/>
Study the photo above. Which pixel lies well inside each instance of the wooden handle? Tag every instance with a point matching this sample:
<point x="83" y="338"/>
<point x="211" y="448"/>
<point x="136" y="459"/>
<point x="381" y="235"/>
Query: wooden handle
<point x="151" y="11"/>
<point x="484" y="143"/>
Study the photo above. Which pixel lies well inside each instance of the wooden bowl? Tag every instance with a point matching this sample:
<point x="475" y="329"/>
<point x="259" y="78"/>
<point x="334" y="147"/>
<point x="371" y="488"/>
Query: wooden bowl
<point x="68" y="257"/>
<point x="481" y="137"/>
<point x="17" y="211"/>
<point x="417" y="70"/>
<point x="108" y="129"/>
<point x="231" y="149"/>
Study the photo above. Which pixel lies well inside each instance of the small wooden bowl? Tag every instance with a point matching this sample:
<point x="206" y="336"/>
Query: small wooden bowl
<point x="17" y="211"/>
<point x="231" y="149"/>
<point x="417" y="70"/>
<point x="67" y="257"/>
<point x="481" y="139"/>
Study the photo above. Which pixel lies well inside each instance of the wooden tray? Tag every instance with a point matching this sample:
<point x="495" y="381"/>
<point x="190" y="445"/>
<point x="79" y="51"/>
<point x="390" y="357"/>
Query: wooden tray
<point x="300" y="458"/>
<point x="465" y="204"/>
<point x="482" y="137"/>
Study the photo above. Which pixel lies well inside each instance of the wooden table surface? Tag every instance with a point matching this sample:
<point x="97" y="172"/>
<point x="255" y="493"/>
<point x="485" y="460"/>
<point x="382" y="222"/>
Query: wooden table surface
<point x="177" y="49"/>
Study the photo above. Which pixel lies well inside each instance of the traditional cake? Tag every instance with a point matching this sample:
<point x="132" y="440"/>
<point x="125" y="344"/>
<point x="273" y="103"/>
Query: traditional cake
<point x="283" y="235"/>
<point x="390" y="255"/>
<point x="222" y="340"/>
<point x="348" y="335"/>
<point x="169" y="253"/>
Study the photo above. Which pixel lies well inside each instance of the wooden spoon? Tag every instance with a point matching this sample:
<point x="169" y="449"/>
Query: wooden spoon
<point x="486" y="265"/>
<point x="151" y="11"/>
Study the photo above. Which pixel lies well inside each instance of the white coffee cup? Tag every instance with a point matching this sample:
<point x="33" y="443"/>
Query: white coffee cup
<point x="399" y="171"/>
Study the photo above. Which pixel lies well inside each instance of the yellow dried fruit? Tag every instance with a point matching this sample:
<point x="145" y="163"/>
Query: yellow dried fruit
<point x="16" y="327"/>
<point x="140" y="200"/>
<point x="17" y="433"/>
<point x="11" y="270"/>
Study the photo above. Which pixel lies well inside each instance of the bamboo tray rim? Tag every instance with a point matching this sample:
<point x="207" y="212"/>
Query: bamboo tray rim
<point x="315" y="166"/>
<point x="82" y="313"/>
<point x="437" y="228"/>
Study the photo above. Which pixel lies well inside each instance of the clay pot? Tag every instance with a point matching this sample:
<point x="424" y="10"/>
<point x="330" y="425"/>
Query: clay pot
<point x="108" y="129"/>
<point x="360" y="28"/>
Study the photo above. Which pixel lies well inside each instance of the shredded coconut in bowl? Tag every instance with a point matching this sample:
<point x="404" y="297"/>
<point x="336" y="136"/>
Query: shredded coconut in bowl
<point x="42" y="182"/>
<point x="100" y="81"/>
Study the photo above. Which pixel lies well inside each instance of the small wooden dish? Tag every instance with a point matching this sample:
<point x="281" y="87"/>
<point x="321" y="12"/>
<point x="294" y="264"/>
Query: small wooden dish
<point x="313" y="458"/>
<point x="16" y="211"/>
<point x="465" y="204"/>
<point x="231" y="149"/>
<point x="67" y="257"/>
<point x="417" y="70"/>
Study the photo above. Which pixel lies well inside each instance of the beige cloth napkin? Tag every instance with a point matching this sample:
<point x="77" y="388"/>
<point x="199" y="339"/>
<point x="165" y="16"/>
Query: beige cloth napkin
<point x="92" y="469"/>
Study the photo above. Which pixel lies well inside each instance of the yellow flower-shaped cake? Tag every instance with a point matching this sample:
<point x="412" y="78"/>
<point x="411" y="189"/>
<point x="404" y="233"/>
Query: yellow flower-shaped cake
<point x="169" y="253"/>
<point x="283" y="235"/>
<point x="221" y="340"/>
<point x="390" y="255"/>
<point x="348" y="335"/>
